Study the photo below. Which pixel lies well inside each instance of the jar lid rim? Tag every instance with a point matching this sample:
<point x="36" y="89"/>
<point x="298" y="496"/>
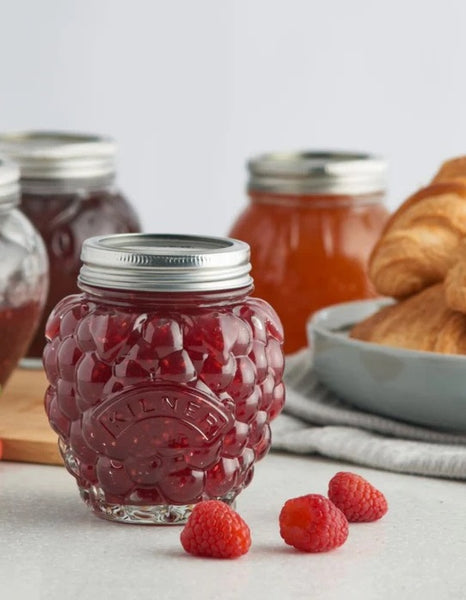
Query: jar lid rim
<point x="320" y="171"/>
<point x="9" y="182"/>
<point x="165" y="262"/>
<point x="59" y="154"/>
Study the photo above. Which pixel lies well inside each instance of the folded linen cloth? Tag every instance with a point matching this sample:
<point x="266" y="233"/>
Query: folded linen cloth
<point x="316" y="421"/>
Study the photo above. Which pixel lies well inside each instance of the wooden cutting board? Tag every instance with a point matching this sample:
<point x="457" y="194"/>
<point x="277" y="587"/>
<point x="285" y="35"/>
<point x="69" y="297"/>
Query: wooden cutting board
<point x="24" y="428"/>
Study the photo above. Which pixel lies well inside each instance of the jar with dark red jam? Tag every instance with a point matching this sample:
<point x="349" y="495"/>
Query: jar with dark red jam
<point x="69" y="193"/>
<point x="312" y="221"/>
<point x="23" y="274"/>
<point x="165" y="374"/>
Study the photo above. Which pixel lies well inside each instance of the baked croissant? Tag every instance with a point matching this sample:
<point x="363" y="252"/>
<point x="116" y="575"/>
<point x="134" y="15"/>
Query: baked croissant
<point x="421" y="322"/>
<point x="455" y="281"/>
<point x="452" y="170"/>
<point x="420" y="241"/>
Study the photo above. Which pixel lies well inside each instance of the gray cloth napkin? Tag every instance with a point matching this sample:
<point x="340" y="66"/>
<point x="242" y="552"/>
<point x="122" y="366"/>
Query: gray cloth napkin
<point x="316" y="421"/>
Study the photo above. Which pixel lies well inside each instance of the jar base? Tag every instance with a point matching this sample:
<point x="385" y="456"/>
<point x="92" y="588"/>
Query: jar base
<point x="153" y="514"/>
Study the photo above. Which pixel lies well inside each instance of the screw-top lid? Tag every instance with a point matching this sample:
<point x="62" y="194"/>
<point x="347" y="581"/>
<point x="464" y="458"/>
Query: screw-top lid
<point x="333" y="173"/>
<point x="59" y="155"/>
<point x="165" y="262"/>
<point x="9" y="183"/>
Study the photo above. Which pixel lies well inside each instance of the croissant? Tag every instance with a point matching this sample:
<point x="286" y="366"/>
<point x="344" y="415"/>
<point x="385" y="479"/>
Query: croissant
<point x="421" y="322"/>
<point x="455" y="281"/>
<point x="420" y="241"/>
<point x="452" y="170"/>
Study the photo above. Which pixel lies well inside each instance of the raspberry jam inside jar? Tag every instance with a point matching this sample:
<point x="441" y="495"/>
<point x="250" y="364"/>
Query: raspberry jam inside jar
<point x="69" y="194"/>
<point x="23" y="274"/>
<point x="312" y="222"/>
<point x="164" y="375"/>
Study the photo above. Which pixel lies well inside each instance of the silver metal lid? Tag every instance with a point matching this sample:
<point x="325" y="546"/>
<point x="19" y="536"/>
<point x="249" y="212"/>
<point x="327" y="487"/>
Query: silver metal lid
<point x="9" y="183"/>
<point x="345" y="173"/>
<point x="59" y="155"/>
<point x="165" y="262"/>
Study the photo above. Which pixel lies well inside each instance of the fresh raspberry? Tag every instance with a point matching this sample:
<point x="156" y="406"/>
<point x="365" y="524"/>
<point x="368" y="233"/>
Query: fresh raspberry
<point x="214" y="529"/>
<point x="356" y="497"/>
<point x="313" y="524"/>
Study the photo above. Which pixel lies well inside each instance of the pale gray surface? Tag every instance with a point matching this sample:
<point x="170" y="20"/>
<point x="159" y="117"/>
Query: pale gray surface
<point x="53" y="549"/>
<point x="190" y="89"/>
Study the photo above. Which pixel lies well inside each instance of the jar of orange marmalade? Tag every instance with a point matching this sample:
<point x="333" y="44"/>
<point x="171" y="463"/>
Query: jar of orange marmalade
<point x="312" y="221"/>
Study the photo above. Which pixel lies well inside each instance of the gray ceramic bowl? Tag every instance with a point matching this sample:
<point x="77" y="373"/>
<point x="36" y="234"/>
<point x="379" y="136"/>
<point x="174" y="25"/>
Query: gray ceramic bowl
<point x="425" y="388"/>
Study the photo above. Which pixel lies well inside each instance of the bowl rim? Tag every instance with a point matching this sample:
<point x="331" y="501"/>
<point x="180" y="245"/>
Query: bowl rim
<point x="315" y="324"/>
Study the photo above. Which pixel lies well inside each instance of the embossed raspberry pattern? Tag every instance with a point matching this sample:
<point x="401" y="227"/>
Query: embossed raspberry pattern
<point x="231" y="357"/>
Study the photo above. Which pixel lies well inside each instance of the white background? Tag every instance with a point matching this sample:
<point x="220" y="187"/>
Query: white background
<point x="191" y="88"/>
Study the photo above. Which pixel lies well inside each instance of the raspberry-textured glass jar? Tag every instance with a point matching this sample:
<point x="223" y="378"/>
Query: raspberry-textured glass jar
<point x="312" y="222"/>
<point x="69" y="194"/>
<point x="164" y="375"/>
<point x="23" y="274"/>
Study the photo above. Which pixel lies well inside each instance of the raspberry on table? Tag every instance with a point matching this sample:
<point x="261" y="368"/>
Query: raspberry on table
<point x="312" y="523"/>
<point x="356" y="497"/>
<point x="215" y="530"/>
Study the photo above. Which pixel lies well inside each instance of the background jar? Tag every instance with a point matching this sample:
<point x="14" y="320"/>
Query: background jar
<point x="68" y="192"/>
<point x="312" y="222"/>
<point x="164" y="375"/>
<point x="23" y="274"/>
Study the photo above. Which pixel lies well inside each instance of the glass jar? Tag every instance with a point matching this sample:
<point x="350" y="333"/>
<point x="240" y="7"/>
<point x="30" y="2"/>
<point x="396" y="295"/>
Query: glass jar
<point x="69" y="194"/>
<point x="23" y="274"/>
<point x="312" y="222"/>
<point x="164" y="375"/>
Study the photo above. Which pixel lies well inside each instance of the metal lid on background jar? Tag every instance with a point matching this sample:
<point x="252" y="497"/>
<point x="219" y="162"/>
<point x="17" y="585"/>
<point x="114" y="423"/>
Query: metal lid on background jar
<point x="332" y="173"/>
<point x="59" y="155"/>
<point x="165" y="263"/>
<point x="9" y="183"/>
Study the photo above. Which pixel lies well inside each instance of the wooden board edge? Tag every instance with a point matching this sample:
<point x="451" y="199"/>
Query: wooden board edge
<point x="31" y="452"/>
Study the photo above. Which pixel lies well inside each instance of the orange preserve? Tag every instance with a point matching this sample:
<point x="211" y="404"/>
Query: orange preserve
<point x="311" y="223"/>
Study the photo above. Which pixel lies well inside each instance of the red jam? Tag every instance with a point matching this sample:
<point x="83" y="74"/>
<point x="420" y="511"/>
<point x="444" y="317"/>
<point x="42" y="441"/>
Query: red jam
<point x="23" y="274"/>
<point x="17" y="324"/>
<point x="64" y="222"/>
<point x="163" y="399"/>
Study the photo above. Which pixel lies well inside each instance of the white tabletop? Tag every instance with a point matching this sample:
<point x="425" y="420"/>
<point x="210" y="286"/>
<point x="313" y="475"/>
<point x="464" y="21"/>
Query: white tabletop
<point x="54" y="548"/>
